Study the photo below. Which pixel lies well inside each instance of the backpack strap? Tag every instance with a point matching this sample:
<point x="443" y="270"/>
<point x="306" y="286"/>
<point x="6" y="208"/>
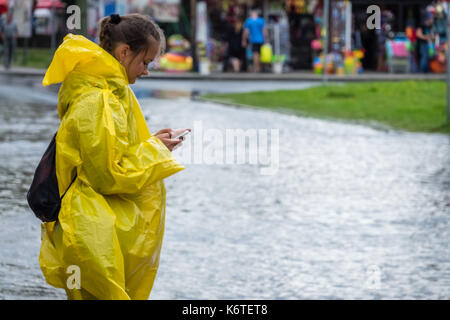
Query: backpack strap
<point x="69" y="186"/>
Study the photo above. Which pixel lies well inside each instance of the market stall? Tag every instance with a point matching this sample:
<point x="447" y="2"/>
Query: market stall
<point x="398" y="18"/>
<point x="43" y="14"/>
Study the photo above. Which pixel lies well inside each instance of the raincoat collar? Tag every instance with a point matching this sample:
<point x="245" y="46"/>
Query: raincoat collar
<point x="78" y="53"/>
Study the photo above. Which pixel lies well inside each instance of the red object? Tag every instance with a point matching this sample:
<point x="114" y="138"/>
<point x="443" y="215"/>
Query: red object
<point x="437" y="67"/>
<point x="49" y="4"/>
<point x="411" y="33"/>
<point x="3" y="6"/>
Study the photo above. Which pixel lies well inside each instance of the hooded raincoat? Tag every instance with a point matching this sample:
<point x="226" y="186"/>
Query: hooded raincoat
<point x="111" y="223"/>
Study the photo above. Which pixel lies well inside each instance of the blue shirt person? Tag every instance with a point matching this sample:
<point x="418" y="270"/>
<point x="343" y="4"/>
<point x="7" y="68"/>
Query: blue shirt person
<point x="255" y="32"/>
<point x="255" y="28"/>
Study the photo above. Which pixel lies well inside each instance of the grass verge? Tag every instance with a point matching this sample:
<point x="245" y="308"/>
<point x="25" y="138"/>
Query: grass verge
<point x="417" y="106"/>
<point x="36" y="58"/>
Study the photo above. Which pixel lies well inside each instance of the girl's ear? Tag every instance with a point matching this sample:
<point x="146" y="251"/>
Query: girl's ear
<point x="123" y="50"/>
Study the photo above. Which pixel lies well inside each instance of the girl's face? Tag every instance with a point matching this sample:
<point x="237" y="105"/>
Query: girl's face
<point x="136" y="65"/>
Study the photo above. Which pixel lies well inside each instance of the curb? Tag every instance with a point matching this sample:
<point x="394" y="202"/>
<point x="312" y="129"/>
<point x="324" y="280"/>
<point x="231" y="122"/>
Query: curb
<point x="256" y="77"/>
<point x="295" y="77"/>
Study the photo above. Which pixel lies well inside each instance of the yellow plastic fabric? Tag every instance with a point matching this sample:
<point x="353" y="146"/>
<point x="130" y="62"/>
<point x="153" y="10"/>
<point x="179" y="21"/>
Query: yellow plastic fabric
<point x="111" y="222"/>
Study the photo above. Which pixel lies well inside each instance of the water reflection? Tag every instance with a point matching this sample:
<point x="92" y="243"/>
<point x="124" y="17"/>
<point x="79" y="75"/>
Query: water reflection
<point x="142" y="93"/>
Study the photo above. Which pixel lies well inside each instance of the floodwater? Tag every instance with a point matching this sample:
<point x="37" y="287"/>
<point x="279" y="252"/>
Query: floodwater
<point x="351" y="212"/>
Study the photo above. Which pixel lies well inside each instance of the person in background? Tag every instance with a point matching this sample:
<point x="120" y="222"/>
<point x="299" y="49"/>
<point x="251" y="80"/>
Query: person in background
<point x="382" y="35"/>
<point x="255" y="33"/>
<point x="9" y="35"/>
<point x="235" y="52"/>
<point x="424" y="37"/>
<point x="1" y="36"/>
<point x="411" y="34"/>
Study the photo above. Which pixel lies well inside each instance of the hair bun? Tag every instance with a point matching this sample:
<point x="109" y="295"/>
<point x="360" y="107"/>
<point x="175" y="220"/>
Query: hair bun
<point x="115" y="18"/>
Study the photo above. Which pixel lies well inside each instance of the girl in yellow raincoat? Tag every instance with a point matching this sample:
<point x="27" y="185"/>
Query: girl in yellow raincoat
<point x="107" y="239"/>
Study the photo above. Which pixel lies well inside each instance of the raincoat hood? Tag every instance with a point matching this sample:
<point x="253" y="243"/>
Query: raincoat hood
<point x="80" y="54"/>
<point x="79" y="60"/>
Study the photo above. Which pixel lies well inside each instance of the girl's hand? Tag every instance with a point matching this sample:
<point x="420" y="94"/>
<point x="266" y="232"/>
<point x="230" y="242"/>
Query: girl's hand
<point x="165" y="136"/>
<point x="177" y="132"/>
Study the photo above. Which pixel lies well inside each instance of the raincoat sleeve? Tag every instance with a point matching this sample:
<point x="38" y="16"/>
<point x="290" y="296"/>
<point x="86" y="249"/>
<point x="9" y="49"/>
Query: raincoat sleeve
<point x="110" y="164"/>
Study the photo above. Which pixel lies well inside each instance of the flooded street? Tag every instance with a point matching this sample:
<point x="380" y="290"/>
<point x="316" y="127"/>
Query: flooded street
<point x="351" y="213"/>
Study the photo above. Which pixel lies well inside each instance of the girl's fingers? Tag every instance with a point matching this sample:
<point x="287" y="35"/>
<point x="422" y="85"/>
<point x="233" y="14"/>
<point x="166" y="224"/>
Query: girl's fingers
<point x="174" y="142"/>
<point x="165" y="130"/>
<point x="165" y="135"/>
<point x="177" y="132"/>
<point x="169" y="143"/>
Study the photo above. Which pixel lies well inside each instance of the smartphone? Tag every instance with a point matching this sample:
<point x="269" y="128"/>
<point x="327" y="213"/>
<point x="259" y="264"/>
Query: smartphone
<point x="181" y="136"/>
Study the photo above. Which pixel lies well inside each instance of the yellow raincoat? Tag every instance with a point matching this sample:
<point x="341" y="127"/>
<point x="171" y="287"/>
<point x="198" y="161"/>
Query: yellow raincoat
<point x="111" y="222"/>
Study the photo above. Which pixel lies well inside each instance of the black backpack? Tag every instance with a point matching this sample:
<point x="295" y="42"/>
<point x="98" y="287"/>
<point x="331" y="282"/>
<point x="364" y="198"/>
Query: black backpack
<point x="43" y="195"/>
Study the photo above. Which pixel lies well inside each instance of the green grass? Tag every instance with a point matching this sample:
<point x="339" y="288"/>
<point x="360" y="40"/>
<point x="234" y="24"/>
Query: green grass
<point x="418" y="106"/>
<point x="36" y="58"/>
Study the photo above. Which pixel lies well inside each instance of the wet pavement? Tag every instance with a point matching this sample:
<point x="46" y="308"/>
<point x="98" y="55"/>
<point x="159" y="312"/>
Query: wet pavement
<point x="351" y="213"/>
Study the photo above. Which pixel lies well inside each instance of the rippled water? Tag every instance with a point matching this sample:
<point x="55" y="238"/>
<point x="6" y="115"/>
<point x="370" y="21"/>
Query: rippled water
<point x="352" y="213"/>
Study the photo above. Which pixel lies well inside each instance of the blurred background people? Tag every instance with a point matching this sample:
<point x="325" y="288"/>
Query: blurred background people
<point x="235" y="50"/>
<point x="424" y="36"/>
<point x="255" y="34"/>
<point x="9" y="36"/>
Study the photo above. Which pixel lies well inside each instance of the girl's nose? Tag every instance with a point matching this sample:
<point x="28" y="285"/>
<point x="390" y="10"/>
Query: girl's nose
<point x="145" y="72"/>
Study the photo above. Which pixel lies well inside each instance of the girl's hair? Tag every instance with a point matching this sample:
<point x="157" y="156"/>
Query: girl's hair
<point x="135" y="29"/>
